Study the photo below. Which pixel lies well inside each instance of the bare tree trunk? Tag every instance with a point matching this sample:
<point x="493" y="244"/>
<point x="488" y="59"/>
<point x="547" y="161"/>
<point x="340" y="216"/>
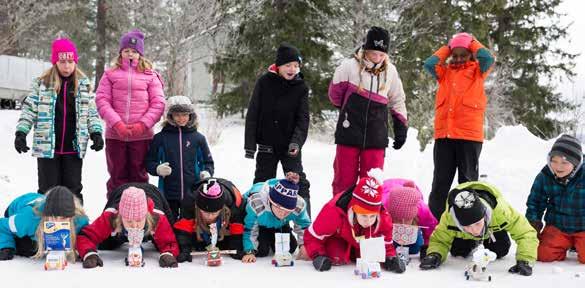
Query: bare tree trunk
<point x="359" y="21"/>
<point x="101" y="41"/>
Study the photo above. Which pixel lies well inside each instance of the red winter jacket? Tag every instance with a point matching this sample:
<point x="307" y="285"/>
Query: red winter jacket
<point x="100" y="229"/>
<point x="335" y="224"/>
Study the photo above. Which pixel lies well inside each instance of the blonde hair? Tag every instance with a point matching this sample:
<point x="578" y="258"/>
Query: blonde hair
<point x="71" y="254"/>
<point x="200" y="227"/>
<point x="360" y="57"/>
<point x="117" y="224"/>
<point x="143" y="63"/>
<point x="51" y="78"/>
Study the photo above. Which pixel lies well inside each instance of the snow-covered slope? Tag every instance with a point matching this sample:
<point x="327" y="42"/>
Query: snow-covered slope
<point x="511" y="161"/>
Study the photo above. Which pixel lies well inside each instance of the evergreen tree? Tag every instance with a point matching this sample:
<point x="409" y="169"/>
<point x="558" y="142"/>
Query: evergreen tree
<point x="260" y="27"/>
<point x="522" y="34"/>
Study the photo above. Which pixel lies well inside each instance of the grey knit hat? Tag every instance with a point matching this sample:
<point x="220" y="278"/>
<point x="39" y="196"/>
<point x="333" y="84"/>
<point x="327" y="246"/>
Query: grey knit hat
<point x="59" y="202"/>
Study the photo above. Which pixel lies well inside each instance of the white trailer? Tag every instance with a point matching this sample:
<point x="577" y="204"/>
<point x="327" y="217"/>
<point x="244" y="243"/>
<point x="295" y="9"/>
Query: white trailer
<point x="16" y="75"/>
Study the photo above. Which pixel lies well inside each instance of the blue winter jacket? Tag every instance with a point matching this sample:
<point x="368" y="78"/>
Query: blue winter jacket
<point x="188" y="154"/>
<point x="258" y="213"/>
<point x="564" y="203"/>
<point x="23" y="216"/>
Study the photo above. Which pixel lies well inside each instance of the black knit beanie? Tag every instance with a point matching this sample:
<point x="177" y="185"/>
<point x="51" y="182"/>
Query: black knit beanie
<point x="287" y="53"/>
<point x="467" y="206"/>
<point x="377" y="39"/>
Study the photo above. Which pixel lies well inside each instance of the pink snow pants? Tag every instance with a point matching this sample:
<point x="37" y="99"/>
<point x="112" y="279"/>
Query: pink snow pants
<point x="351" y="162"/>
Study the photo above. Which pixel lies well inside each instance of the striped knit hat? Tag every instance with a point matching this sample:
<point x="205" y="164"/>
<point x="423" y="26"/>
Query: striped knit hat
<point x="367" y="196"/>
<point x="569" y="148"/>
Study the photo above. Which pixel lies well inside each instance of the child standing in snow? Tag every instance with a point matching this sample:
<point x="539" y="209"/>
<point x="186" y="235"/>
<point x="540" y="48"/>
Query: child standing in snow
<point x="558" y="192"/>
<point x="277" y="120"/>
<point x="404" y="201"/>
<point x="460" y="105"/>
<point x="271" y="206"/>
<point x="130" y="99"/>
<point x="218" y="202"/>
<point x="136" y="207"/>
<point x="364" y="88"/>
<point x="179" y="154"/>
<point x="21" y="229"/>
<point x="62" y="110"/>
<point x="333" y="238"/>
<point x="477" y="214"/>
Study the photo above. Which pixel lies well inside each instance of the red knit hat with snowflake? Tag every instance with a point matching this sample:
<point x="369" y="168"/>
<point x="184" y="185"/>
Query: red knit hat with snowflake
<point x="367" y="196"/>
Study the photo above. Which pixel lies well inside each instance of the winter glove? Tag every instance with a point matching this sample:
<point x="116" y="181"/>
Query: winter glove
<point x="400" y="131"/>
<point x="423" y="251"/>
<point x="121" y="129"/>
<point x="184" y="257"/>
<point x="164" y="169"/>
<point x="20" y="142"/>
<point x="431" y="261"/>
<point x="92" y="261"/>
<point x="394" y="264"/>
<point x="167" y="260"/>
<point x="204" y="175"/>
<point x="137" y="129"/>
<point x="6" y="254"/>
<point x="98" y="141"/>
<point x="537" y="226"/>
<point x="522" y="268"/>
<point x="250" y="154"/>
<point x="293" y="149"/>
<point x="322" y="263"/>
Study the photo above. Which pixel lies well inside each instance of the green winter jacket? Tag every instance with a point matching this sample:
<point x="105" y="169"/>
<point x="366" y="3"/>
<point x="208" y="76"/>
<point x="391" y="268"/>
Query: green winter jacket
<point x="38" y="110"/>
<point x="503" y="217"/>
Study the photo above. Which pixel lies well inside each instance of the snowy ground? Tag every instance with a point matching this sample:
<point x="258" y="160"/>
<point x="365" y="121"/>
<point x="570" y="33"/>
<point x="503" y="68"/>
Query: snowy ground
<point x="511" y="161"/>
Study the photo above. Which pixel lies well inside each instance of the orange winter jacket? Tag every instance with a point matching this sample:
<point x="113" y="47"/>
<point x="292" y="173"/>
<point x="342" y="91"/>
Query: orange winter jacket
<point x="460" y="101"/>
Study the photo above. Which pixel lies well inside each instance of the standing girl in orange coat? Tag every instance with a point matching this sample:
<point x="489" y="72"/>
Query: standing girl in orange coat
<point x="461" y="68"/>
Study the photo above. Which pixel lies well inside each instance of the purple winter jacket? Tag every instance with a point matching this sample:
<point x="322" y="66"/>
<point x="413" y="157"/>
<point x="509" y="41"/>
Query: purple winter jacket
<point x="125" y="94"/>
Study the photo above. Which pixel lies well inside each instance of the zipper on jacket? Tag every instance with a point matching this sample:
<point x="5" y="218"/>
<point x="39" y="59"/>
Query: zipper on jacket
<point x="368" y="110"/>
<point x="181" y="160"/>
<point x="129" y="96"/>
<point x="64" y="116"/>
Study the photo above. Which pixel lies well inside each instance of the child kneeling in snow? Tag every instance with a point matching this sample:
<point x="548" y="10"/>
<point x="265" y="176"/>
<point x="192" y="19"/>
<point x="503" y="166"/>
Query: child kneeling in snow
<point x="131" y="207"/>
<point x="333" y="238"/>
<point x="21" y="231"/>
<point x="179" y="154"/>
<point x="559" y="189"/>
<point x="271" y="206"/>
<point x="477" y="213"/>
<point x="404" y="201"/>
<point x="218" y="202"/>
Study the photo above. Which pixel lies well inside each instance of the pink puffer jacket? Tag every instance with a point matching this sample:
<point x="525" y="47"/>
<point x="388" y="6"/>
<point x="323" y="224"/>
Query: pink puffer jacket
<point x="125" y="94"/>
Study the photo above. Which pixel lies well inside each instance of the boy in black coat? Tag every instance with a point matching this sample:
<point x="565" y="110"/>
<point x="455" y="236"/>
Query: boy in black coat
<point x="278" y="119"/>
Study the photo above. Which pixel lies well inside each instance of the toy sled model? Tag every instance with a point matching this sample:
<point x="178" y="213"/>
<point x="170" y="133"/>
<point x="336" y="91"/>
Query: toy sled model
<point x="134" y="258"/>
<point x="477" y="270"/>
<point x="57" y="241"/>
<point x="372" y="252"/>
<point x="214" y="256"/>
<point x="282" y="256"/>
<point x="367" y="270"/>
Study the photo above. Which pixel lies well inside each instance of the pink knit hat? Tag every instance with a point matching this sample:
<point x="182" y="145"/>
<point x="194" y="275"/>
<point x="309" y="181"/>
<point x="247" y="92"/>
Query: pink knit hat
<point x="133" y="204"/>
<point x="403" y="202"/>
<point x="462" y="40"/>
<point x="63" y="49"/>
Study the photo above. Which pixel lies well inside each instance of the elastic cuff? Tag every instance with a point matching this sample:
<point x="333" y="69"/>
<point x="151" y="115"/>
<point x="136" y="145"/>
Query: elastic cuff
<point x="166" y="253"/>
<point x="89" y="254"/>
